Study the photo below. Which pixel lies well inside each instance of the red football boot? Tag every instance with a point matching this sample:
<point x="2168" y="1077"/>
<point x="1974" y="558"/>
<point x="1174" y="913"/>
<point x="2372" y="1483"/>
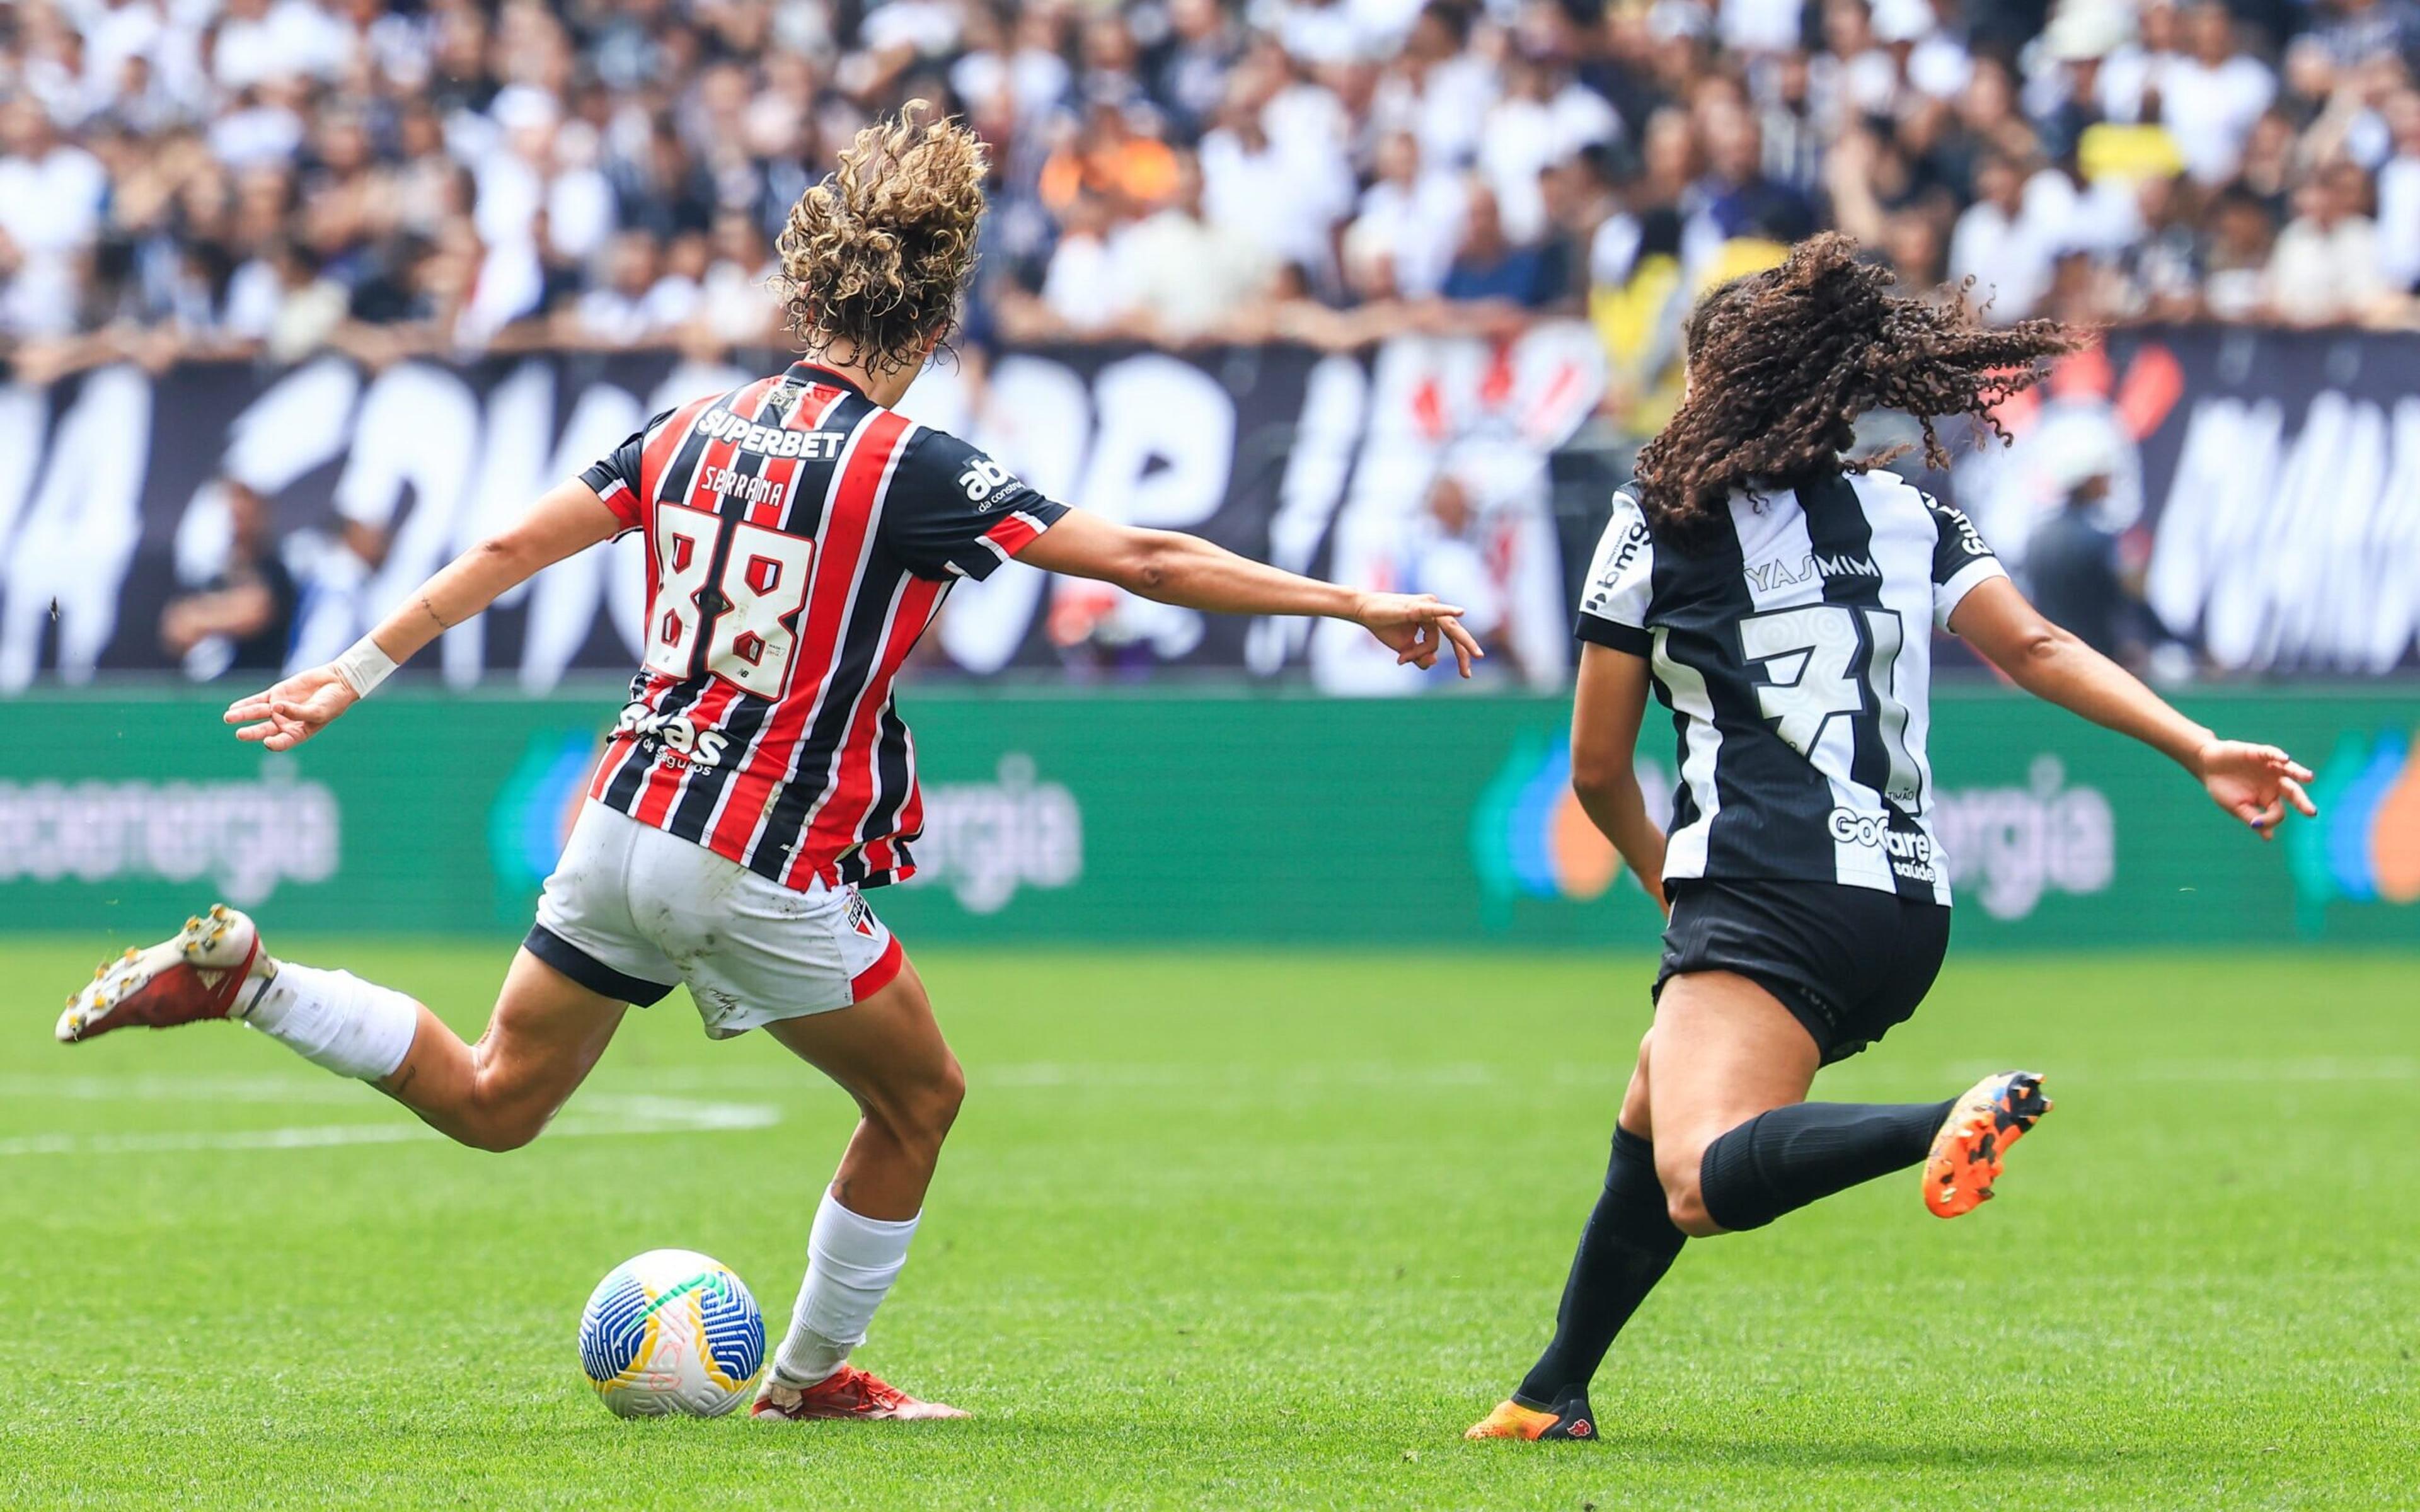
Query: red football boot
<point x="847" y="1392"/>
<point x="199" y="975"/>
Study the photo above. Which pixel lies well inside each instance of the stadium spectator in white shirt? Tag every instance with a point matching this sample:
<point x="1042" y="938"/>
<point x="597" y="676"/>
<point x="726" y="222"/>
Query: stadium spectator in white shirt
<point x="1994" y="247"/>
<point x="2398" y="196"/>
<point x="51" y="195"/>
<point x="2210" y="98"/>
<point x="1284" y="190"/>
<point x="1414" y="212"/>
<point x="258" y="41"/>
<point x="1438" y="89"/>
<point x="1545" y="118"/>
<point x="2324" y="270"/>
<point x="1177" y="275"/>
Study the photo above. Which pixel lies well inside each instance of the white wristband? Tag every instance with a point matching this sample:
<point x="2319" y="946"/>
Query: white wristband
<point x="364" y="667"/>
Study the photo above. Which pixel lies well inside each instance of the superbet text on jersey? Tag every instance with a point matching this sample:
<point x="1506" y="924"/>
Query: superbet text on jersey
<point x="800" y="538"/>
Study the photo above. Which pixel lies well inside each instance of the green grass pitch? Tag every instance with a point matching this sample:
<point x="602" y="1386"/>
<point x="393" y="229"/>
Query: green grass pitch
<point x="1227" y="1230"/>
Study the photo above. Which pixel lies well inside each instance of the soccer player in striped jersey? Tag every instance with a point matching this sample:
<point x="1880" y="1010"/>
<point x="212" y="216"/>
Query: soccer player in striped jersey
<point x="802" y="536"/>
<point x="1781" y="601"/>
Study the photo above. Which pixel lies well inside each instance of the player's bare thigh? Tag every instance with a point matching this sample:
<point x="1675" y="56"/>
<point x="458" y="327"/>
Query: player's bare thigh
<point x="888" y="1053"/>
<point x="543" y="1038"/>
<point x="1723" y="1050"/>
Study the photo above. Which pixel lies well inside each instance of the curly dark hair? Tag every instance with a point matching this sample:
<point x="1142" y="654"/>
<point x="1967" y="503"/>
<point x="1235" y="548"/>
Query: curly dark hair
<point x="1782" y="363"/>
<point x="876" y="255"/>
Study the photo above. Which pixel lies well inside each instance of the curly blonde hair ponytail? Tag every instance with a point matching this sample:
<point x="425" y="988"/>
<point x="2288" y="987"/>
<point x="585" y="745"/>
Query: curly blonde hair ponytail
<point x="875" y="257"/>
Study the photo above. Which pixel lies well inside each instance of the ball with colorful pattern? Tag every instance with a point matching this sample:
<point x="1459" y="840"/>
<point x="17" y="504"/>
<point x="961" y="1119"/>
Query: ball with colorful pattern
<point x="672" y="1333"/>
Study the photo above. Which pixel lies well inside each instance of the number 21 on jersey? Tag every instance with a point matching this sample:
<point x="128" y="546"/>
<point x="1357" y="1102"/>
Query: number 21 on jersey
<point x="1812" y="658"/>
<point x="728" y="596"/>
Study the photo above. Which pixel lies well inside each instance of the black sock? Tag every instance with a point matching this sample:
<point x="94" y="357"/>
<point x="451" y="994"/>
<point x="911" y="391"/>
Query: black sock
<point x="1788" y="1157"/>
<point x="1625" y="1249"/>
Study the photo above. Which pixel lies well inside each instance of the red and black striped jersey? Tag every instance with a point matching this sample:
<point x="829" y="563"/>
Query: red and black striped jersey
<point x="800" y="538"/>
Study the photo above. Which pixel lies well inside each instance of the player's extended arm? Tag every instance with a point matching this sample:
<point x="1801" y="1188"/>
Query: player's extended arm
<point x="1186" y="570"/>
<point x="2254" y="783"/>
<point x="566" y="519"/>
<point x="1607" y="707"/>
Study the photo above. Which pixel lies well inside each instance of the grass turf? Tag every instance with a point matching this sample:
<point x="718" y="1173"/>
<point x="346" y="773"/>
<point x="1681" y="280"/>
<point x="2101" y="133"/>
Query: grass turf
<point x="1232" y="1232"/>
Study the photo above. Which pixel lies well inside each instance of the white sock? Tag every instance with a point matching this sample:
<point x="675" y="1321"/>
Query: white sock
<point x="334" y="1019"/>
<point x="851" y="1261"/>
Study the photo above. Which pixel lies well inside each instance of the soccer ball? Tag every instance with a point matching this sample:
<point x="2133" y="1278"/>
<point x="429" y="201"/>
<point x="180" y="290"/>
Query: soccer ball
<point x="669" y="1331"/>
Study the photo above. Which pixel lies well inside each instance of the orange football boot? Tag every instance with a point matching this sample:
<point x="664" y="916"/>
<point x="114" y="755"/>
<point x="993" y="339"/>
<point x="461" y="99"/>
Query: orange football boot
<point x="1966" y="1153"/>
<point x="847" y="1392"/>
<point x="1571" y="1417"/>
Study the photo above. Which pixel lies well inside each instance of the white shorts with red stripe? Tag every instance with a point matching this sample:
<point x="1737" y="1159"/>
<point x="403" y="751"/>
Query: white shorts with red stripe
<point x="631" y="911"/>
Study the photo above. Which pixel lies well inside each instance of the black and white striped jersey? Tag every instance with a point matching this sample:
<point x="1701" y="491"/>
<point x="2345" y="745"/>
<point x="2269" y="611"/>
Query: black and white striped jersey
<point x="1794" y="650"/>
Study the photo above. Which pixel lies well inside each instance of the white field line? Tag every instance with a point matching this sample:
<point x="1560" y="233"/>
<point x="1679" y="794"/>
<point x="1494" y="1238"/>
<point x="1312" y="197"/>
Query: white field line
<point x="601" y="1116"/>
<point x="182" y="1089"/>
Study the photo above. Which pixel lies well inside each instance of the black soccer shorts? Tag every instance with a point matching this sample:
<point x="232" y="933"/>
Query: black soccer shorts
<point x="1847" y="961"/>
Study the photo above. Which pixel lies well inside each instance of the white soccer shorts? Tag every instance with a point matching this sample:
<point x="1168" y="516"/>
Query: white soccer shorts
<point x="633" y="910"/>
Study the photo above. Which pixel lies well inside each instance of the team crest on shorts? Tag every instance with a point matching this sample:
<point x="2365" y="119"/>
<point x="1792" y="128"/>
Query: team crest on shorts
<point x="861" y="917"/>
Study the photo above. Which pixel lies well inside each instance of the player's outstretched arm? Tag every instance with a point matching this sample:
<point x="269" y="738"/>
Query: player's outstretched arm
<point x="566" y="520"/>
<point x="1180" y="569"/>
<point x="1607" y="704"/>
<point x="2254" y="783"/>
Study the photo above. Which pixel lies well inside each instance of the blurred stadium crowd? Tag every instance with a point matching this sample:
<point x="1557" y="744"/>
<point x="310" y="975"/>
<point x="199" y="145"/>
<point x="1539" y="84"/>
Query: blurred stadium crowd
<point x="389" y="177"/>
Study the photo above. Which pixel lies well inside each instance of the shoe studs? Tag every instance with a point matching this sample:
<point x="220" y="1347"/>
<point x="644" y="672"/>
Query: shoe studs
<point x="204" y="931"/>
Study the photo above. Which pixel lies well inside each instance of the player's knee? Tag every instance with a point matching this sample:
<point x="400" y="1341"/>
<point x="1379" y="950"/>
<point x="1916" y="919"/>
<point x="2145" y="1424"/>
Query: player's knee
<point x="1687" y="1209"/>
<point x="918" y="1114"/>
<point x="498" y="1123"/>
<point x="1684" y="1197"/>
<point x="940" y="1099"/>
<point x="498" y="1133"/>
